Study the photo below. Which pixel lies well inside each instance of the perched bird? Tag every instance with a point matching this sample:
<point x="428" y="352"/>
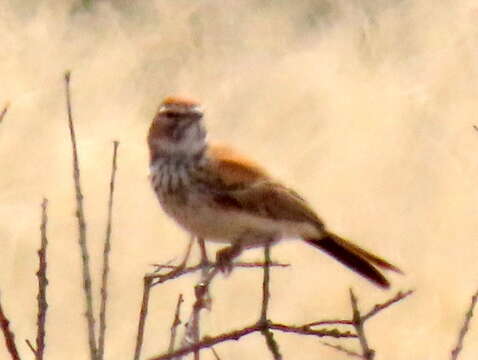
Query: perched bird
<point x="216" y="194"/>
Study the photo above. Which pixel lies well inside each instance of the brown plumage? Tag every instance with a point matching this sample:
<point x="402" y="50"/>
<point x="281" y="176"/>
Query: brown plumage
<point x="220" y="195"/>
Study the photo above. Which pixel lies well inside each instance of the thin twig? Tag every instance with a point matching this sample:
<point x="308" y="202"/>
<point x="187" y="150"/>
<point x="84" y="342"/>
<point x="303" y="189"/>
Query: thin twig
<point x="331" y="322"/>
<point x="464" y="328"/>
<point x="374" y="311"/>
<point x="367" y="353"/>
<point x="379" y="307"/>
<point x="208" y="342"/>
<point x="31" y="347"/>
<point x="214" y="352"/>
<point x="81" y="228"/>
<point x="268" y="336"/>
<point x="42" y="284"/>
<point x="175" y="324"/>
<point x="178" y="271"/>
<point x="142" y="315"/>
<point x="106" y="254"/>
<point x="183" y="263"/>
<point x="8" y="335"/>
<point x="342" y="349"/>
<point x="4" y="111"/>
<point x="200" y="291"/>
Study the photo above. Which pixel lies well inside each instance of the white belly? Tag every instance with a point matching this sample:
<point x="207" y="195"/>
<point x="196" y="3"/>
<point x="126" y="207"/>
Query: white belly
<point x="216" y="224"/>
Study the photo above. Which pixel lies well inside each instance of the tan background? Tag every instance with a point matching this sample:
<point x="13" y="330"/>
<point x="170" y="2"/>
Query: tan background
<point x="365" y="107"/>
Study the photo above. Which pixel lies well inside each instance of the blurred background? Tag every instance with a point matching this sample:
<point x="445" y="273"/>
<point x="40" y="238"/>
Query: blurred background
<point x="366" y="108"/>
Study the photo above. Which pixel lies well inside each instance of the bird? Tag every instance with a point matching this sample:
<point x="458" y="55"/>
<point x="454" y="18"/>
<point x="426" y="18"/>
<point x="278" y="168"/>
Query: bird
<point x="217" y="194"/>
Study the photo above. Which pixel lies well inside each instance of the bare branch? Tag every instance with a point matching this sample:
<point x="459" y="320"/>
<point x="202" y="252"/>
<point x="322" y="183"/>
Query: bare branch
<point x="148" y="279"/>
<point x="216" y="355"/>
<point x="175" y="324"/>
<point x="81" y="228"/>
<point x="42" y="284"/>
<point x="331" y="322"/>
<point x="31" y="347"/>
<point x="178" y="271"/>
<point x="367" y="353"/>
<point x="235" y="335"/>
<point x="201" y="291"/>
<point x="374" y="311"/>
<point x="106" y="254"/>
<point x="269" y="337"/>
<point x="464" y="328"/>
<point x="379" y="307"/>
<point x="303" y="330"/>
<point x="4" y="111"/>
<point x="8" y="335"/>
<point x="342" y="349"/>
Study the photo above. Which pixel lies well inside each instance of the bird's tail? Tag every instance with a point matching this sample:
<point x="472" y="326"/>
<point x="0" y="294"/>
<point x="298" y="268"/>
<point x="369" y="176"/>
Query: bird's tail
<point x="354" y="257"/>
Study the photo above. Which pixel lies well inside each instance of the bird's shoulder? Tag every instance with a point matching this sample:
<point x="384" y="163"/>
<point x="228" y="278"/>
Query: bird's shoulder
<point x="232" y="168"/>
<point x="246" y="186"/>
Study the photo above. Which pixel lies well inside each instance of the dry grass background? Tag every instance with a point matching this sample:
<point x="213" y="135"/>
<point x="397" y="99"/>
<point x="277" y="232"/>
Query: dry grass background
<point x="365" y="107"/>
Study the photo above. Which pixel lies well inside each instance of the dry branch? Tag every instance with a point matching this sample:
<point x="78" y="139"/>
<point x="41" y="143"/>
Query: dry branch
<point x="178" y="271"/>
<point x="358" y="323"/>
<point x="4" y="111"/>
<point x="42" y="284"/>
<point x="464" y="328"/>
<point x="106" y="253"/>
<point x="268" y="336"/>
<point x="342" y="349"/>
<point x="81" y="228"/>
<point x="379" y="307"/>
<point x="235" y="335"/>
<point x="374" y="311"/>
<point x="216" y="355"/>
<point x="175" y="324"/>
<point x="143" y="313"/>
<point x="201" y="291"/>
<point x="8" y="335"/>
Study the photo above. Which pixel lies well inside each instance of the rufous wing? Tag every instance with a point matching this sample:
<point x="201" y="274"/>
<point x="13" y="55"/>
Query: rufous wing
<point x="248" y="187"/>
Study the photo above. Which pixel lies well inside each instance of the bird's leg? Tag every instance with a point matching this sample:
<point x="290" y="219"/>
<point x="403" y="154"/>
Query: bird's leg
<point x="204" y="258"/>
<point x="224" y="257"/>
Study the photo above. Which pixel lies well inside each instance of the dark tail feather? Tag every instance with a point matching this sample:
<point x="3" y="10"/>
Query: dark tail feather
<point x="374" y="259"/>
<point x="353" y="257"/>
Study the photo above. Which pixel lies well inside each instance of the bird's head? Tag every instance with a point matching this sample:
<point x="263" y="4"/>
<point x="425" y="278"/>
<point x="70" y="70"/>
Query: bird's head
<point x="177" y="129"/>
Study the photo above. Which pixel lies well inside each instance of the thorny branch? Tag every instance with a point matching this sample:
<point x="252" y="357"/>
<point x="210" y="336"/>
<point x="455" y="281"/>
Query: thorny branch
<point x="175" y="324"/>
<point x="269" y="337"/>
<point x="106" y="253"/>
<point x="42" y="284"/>
<point x="154" y="279"/>
<point x="201" y="291"/>
<point x="464" y="329"/>
<point x="358" y="323"/>
<point x="8" y="335"/>
<point x="235" y="335"/>
<point x="375" y="310"/>
<point x="178" y="271"/>
<point x="143" y="313"/>
<point x="81" y="228"/>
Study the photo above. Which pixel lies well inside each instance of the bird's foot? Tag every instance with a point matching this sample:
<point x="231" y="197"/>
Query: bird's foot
<point x="224" y="258"/>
